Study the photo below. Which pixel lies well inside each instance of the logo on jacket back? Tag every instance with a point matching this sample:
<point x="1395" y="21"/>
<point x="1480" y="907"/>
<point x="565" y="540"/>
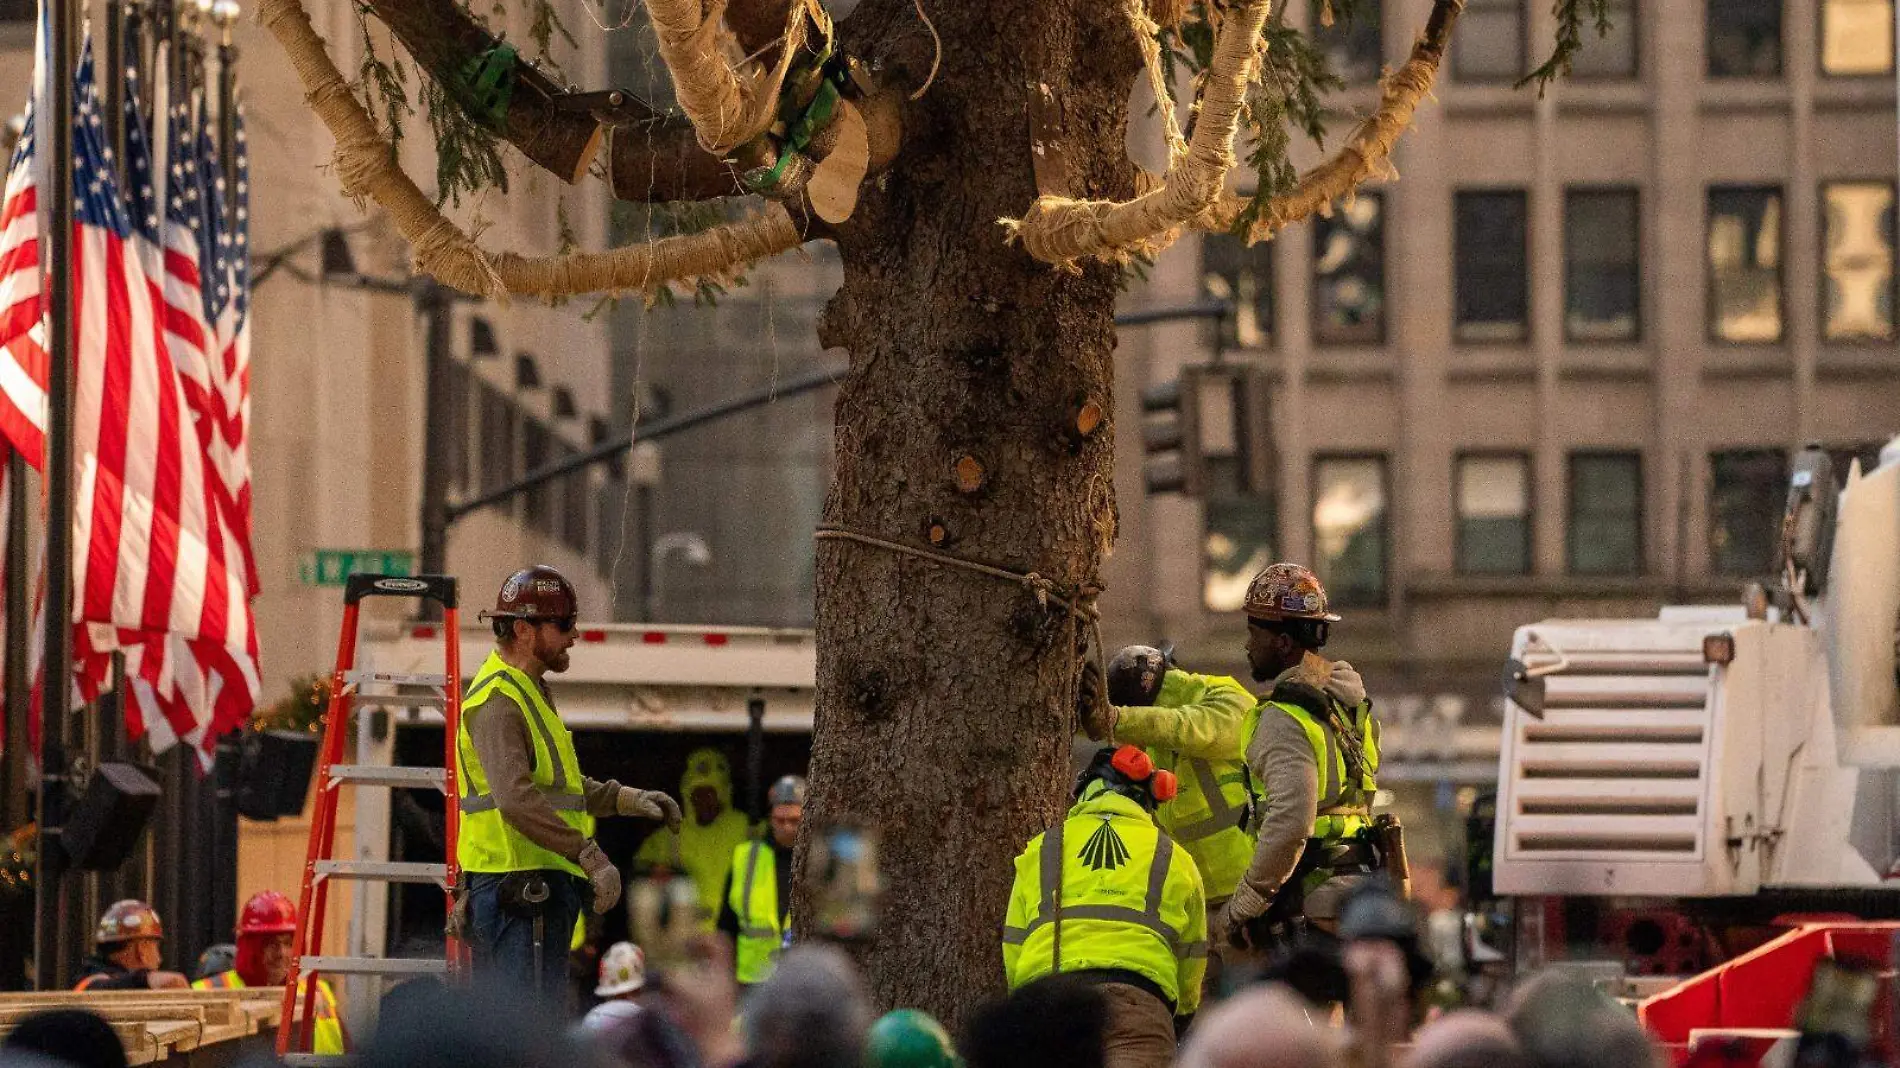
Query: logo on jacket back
<point x="1104" y="849"/>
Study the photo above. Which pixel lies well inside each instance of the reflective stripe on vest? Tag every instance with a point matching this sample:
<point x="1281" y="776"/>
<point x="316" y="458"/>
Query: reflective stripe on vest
<point x="327" y="1035"/>
<point x="487" y="842"/>
<point x="1344" y="807"/>
<point x="755" y="901"/>
<point x="1148" y="916"/>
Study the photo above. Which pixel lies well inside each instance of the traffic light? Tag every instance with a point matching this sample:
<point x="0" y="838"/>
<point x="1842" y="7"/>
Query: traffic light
<point x="1167" y="438"/>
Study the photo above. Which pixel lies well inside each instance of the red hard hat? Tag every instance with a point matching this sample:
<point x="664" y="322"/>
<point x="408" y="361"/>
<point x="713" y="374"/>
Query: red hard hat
<point x="537" y="592"/>
<point x="127" y="920"/>
<point x="268" y="912"/>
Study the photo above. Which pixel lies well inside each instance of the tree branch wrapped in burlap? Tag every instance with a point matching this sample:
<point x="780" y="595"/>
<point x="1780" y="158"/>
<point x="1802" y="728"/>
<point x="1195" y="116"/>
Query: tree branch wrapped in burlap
<point x="367" y="167"/>
<point x="1366" y="155"/>
<point x="726" y="108"/>
<point x="1061" y="231"/>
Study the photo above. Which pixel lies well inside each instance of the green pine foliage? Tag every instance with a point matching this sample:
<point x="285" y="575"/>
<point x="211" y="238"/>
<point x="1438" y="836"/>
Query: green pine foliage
<point x="1571" y="15"/>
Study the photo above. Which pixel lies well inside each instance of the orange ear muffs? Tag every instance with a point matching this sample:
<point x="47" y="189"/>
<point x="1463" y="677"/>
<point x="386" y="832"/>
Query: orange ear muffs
<point x="1164" y="786"/>
<point x="1133" y="763"/>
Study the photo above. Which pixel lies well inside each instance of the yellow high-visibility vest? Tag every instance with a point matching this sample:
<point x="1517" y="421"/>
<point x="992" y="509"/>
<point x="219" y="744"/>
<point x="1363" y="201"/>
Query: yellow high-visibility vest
<point x="327" y="1037"/>
<point x="1111" y="891"/>
<point x="487" y="843"/>
<point x="1345" y="801"/>
<point x="754" y="900"/>
<point x="1209" y="814"/>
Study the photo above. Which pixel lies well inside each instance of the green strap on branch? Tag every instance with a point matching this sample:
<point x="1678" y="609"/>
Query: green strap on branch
<point x="486" y="84"/>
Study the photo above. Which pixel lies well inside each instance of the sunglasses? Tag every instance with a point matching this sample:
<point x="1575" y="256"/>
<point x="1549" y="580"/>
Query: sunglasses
<point x="564" y="624"/>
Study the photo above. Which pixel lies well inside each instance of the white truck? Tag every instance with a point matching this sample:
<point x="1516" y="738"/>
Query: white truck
<point x="1667" y="786"/>
<point x="638" y="698"/>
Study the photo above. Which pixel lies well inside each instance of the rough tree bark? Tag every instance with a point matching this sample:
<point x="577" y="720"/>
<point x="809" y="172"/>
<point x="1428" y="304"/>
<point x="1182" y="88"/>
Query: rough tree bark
<point x="945" y="698"/>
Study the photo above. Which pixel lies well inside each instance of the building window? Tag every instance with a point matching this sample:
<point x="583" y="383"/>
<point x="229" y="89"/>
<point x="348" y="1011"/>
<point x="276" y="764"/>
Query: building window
<point x="1494" y="515"/>
<point x="498" y="436"/>
<point x="1744" y="38"/>
<point x="1605" y="535"/>
<point x="1489" y="44"/>
<point x="1858" y="261"/>
<point x="576" y="490"/>
<point x="1745" y="503"/>
<point x="1745" y="263"/>
<point x="1232" y="271"/>
<point x="1352" y="44"/>
<point x="1611" y="54"/>
<point x="1856" y="37"/>
<point x="537" y="446"/>
<point x="457" y="405"/>
<point x="1349" y="273"/>
<point x="1242" y="530"/>
<point x="1493" y="297"/>
<point x="1349" y="528"/>
<point x="1602" y="280"/>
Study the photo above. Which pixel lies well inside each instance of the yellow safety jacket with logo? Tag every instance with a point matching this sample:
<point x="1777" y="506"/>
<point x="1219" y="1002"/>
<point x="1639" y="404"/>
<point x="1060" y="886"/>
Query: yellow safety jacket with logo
<point x="1106" y="889"/>
<point x="754" y="899"/>
<point x="701" y="852"/>
<point x="327" y="1037"/>
<point x="1198" y="728"/>
<point x="487" y="843"/>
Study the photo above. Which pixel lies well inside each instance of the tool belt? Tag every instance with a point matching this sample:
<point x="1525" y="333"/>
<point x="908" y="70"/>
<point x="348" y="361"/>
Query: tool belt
<point x="524" y="893"/>
<point x="1284" y="922"/>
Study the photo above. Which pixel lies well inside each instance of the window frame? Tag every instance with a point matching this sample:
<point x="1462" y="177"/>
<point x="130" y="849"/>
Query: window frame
<point x="1636" y="52"/>
<point x="1820" y="47"/>
<point x="1739" y="451"/>
<point x="1780" y="72"/>
<point x="1219" y="338"/>
<point x="1384" y="460"/>
<point x="1640" y="520"/>
<point x="1522" y="456"/>
<point x="1781" y="264"/>
<point x="1458" y="325"/>
<point x="1893" y="268"/>
<point x="1314" y="29"/>
<point x="1635" y="193"/>
<point x="1315" y="323"/>
<point x="1459" y="77"/>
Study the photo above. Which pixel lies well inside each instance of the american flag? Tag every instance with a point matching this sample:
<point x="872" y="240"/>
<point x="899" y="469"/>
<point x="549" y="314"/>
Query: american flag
<point x="158" y="571"/>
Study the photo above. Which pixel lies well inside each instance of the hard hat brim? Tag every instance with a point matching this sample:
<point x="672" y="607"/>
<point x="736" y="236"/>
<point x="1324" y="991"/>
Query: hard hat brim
<point x="612" y="990"/>
<point x="275" y="928"/>
<point x="1274" y="617"/>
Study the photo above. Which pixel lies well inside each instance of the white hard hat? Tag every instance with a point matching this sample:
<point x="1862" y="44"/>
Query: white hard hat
<point x="623" y="970"/>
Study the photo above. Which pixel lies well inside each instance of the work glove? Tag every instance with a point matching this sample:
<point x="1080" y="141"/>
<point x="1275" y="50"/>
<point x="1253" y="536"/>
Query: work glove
<point x="602" y="875"/>
<point x="1230" y="924"/>
<point x="1092" y="708"/>
<point x="651" y="804"/>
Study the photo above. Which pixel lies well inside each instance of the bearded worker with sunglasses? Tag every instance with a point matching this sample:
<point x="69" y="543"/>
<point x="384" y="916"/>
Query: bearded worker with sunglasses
<point x="526" y="843"/>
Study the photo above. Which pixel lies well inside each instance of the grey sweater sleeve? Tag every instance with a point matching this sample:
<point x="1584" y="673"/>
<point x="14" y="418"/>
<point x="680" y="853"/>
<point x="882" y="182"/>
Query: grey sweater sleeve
<point x="1282" y="759"/>
<point x="499" y="733"/>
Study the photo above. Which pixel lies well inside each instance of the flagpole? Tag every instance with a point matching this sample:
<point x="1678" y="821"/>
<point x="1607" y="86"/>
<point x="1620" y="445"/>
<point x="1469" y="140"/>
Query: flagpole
<point x="52" y="956"/>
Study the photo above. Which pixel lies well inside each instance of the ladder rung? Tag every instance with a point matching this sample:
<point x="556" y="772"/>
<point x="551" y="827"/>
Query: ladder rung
<point x="387" y="775"/>
<point x="317" y="1060"/>
<point x="387" y="871"/>
<point x="398" y="700"/>
<point x="375" y="965"/>
<point x="393" y="678"/>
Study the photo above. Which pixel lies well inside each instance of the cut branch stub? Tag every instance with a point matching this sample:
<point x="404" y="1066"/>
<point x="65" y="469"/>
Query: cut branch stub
<point x="1088" y="419"/>
<point x="970" y="474"/>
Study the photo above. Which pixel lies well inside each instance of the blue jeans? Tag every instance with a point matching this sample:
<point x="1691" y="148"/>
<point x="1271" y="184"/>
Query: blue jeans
<point x="503" y="941"/>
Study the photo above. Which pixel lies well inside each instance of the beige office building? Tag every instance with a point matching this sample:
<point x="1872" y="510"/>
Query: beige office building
<point x="1558" y="368"/>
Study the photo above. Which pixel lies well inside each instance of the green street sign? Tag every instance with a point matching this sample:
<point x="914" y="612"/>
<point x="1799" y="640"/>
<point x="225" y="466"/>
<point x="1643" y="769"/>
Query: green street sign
<point x="332" y="567"/>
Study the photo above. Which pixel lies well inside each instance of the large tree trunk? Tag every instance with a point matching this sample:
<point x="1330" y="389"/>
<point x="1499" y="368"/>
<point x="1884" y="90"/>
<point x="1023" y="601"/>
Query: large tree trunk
<point x="945" y="697"/>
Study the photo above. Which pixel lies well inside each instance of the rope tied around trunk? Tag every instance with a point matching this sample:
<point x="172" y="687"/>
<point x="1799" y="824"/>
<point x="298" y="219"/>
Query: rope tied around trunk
<point x="1078" y="605"/>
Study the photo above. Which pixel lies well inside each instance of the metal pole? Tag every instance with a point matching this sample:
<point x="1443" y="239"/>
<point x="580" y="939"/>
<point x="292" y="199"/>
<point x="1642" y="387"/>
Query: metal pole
<point x="19" y="683"/>
<point x="50" y="963"/>
<point x="434" y="304"/>
<point x="755" y="757"/>
<point x="225" y="15"/>
<point x="649" y="594"/>
<point x="114" y="77"/>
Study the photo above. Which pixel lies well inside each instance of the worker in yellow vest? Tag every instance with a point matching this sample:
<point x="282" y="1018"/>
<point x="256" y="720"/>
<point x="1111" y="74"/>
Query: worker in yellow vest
<point x="1196" y="726"/>
<point x="702" y="848"/>
<point x="265" y="931"/>
<point x="758" y="892"/>
<point x="1105" y="896"/>
<point x="1315" y="753"/>
<point x="526" y="844"/>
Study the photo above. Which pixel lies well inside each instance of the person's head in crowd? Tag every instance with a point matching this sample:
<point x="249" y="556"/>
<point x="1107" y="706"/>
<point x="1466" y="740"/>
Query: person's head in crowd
<point x="218" y="957"/>
<point x="1563" y="1021"/>
<point x="812" y="1013"/>
<point x="64" y="1036"/>
<point x="1055" y="1022"/>
<point x="1466" y="1039"/>
<point x="1265" y="1026"/>
<point x="425" y="1023"/>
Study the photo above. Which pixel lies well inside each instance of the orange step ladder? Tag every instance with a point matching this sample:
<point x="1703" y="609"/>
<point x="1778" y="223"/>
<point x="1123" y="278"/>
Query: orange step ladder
<point x="296" y="1028"/>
